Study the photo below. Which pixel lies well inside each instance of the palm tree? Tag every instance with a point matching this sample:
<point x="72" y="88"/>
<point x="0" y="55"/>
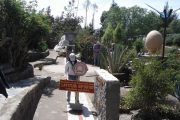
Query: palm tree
<point x="86" y="5"/>
<point x="95" y="7"/>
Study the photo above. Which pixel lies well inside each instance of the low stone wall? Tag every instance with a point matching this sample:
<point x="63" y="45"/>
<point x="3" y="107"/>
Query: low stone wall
<point x="34" y="56"/>
<point x="13" y="75"/>
<point x="107" y="96"/>
<point x="20" y="75"/>
<point x="23" y="105"/>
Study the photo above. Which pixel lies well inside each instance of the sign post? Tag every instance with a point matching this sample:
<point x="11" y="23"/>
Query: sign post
<point x="76" y="86"/>
<point x="77" y="93"/>
<point x="80" y="69"/>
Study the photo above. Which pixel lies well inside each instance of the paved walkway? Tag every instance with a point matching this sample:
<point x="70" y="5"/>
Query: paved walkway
<point x="53" y="104"/>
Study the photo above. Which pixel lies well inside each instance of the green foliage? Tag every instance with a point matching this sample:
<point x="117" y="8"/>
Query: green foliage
<point x="84" y="36"/>
<point x="69" y="19"/>
<point x="110" y="17"/>
<point x="177" y="85"/>
<point x="108" y="35"/>
<point x="173" y="59"/>
<point x="67" y="22"/>
<point x="135" y="21"/>
<point x="174" y="26"/>
<point x="139" y="45"/>
<point x="150" y="21"/>
<point x="169" y="40"/>
<point x="173" y="39"/>
<point x="176" y="40"/>
<point x="115" y="61"/>
<point x="42" y="46"/>
<point x="24" y="27"/>
<point x="118" y="34"/>
<point x="84" y="44"/>
<point x="39" y="27"/>
<point x="151" y="83"/>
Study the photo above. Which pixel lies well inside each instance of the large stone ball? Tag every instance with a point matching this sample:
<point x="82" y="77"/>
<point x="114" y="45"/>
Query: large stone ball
<point x="154" y="41"/>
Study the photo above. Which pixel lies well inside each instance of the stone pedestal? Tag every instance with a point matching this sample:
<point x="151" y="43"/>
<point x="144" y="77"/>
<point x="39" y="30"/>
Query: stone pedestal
<point x="70" y="36"/>
<point x="107" y="96"/>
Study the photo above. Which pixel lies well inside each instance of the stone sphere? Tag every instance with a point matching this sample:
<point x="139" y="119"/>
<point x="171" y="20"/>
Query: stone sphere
<point x="154" y="41"/>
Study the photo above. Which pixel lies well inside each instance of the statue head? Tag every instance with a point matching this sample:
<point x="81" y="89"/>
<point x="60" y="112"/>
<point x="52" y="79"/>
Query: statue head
<point x="72" y="57"/>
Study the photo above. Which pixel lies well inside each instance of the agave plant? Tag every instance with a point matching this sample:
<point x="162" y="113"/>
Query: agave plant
<point x="114" y="61"/>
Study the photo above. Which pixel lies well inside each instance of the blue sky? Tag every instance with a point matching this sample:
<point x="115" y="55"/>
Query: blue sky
<point x="57" y="6"/>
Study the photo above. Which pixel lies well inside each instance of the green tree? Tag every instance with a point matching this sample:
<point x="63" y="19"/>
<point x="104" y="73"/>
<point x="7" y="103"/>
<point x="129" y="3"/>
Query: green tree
<point x="151" y="83"/>
<point x="135" y="21"/>
<point x="118" y="34"/>
<point x="69" y="21"/>
<point x="174" y="26"/>
<point x="39" y="27"/>
<point x="139" y="45"/>
<point x="84" y="44"/>
<point x="150" y="21"/>
<point x="25" y="29"/>
<point x="108" y="35"/>
<point x="112" y="16"/>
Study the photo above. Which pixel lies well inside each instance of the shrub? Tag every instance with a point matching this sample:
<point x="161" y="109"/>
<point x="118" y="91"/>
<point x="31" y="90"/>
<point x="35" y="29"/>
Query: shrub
<point x="42" y="46"/>
<point x="169" y="40"/>
<point x="173" y="39"/>
<point x="151" y="83"/>
<point x="138" y="45"/>
<point x="176" y="40"/>
<point x="84" y="44"/>
<point x="173" y="59"/>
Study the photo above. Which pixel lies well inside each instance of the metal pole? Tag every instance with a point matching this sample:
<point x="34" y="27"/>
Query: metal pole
<point x="77" y="93"/>
<point x="164" y="38"/>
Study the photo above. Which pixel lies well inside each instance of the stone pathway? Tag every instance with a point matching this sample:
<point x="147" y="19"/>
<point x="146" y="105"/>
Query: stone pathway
<point x="53" y="104"/>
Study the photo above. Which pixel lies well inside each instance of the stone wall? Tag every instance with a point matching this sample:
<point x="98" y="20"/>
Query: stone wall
<point x="13" y="75"/>
<point x="20" y="74"/>
<point x="23" y="106"/>
<point x="107" y="96"/>
<point x="34" y="56"/>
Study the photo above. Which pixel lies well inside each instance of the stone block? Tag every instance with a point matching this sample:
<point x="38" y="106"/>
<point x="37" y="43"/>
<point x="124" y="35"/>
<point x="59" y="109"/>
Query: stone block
<point x="107" y="96"/>
<point x="23" y="105"/>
